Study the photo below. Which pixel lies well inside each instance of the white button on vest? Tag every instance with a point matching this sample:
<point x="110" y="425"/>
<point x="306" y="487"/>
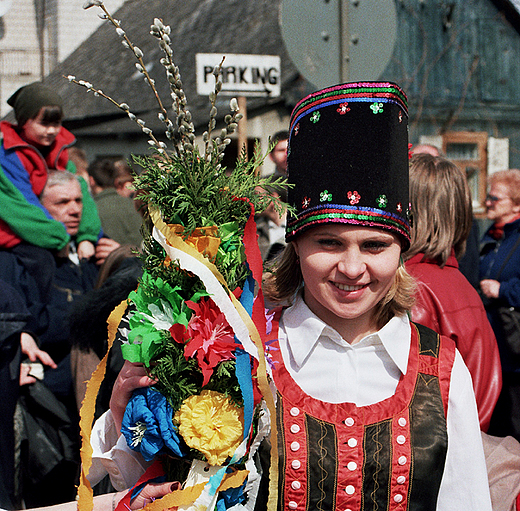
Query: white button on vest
<point x="294" y="412"/>
<point x="352" y="465"/>
<point x="352" y="442"/>
<point x="350" y="489"/>
<point x="401" y="439"/>
<point x="292" y="504"/>
<point x="401" y="480"/>
<point x="296" y="485"/>
<point x="295" y="446"/>
<point x="349" y="421"/>
<point x="295" y="428"/>
<point x="296" y="464"/>
<point x="398" y="498"/>
<point x="402" y="460"/>
<point x="402" y="422"/>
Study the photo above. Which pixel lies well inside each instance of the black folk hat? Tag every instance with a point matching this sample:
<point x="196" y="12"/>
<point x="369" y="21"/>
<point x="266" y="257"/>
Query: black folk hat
<point x="348" y="159"/>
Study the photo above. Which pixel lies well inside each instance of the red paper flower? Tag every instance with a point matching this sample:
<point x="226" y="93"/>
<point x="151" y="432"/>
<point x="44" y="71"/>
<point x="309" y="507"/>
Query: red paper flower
<point x="211" y="338"/>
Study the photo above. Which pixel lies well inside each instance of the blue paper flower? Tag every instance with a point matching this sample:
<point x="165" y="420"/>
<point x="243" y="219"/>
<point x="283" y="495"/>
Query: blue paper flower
<point x="148" y="427"/>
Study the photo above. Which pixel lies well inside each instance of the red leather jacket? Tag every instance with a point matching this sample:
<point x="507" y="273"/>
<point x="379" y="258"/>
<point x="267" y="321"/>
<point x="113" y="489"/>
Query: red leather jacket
<point x="448" y="304"/>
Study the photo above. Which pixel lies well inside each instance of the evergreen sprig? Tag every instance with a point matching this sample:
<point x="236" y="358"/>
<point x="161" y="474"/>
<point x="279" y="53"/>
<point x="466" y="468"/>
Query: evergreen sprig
<point x="191" y="191"/>
<point x="177" y="378"/>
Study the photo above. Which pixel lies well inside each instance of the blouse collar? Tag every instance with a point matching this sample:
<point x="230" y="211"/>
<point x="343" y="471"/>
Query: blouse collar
<point x="303" y="330"/>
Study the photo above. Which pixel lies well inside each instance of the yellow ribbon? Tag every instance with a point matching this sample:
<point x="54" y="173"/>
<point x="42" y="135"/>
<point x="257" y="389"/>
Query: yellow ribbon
<point x="188" y="495"/>
<point x="204" y="239"/>
<point x="88" y="409"/>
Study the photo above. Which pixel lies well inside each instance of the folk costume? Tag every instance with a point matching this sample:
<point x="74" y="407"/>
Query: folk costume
<point x="384" y="430"/>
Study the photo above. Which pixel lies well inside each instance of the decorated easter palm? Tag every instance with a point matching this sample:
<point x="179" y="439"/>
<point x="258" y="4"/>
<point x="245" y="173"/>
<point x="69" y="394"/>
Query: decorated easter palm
<point x="197" y="319"/>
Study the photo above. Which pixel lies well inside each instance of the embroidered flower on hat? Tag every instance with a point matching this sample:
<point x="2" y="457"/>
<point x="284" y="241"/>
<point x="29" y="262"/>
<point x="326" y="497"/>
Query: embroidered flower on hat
<point x="297" y="129"/>
<point x="353" y="197"/>
<point x="377" y="108"/>
<point x="306" y="202"/>
<point x="343" y="108"/>
<point x="382" y="201"/>
<point x="399" y="207"/>
<point x="325" y="196"/>
<point x="400" y="116"/>
<point x="315" y="117"/>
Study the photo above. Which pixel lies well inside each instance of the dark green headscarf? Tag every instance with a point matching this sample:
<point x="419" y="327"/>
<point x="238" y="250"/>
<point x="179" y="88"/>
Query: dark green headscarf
<point x="29" y="99"/>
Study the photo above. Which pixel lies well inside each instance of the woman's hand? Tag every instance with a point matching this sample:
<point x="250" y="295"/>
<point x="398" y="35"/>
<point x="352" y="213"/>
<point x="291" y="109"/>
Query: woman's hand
<point x="151" y="492"/>
<point x="132" y="376"/>
<point x="490" y="288"/>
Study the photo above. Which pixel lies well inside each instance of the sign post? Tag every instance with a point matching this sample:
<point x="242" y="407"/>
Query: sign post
<point x="343" y="40"/>
<point x="242" y="76"/>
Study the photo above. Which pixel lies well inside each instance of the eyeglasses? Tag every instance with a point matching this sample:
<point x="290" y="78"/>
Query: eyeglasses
<point x="494" y="198"/>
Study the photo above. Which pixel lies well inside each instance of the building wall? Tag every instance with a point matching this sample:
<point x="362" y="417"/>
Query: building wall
<point x="63" y="26"/>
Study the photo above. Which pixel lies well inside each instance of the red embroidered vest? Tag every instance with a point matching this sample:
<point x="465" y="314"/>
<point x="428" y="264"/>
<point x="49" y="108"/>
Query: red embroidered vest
<point x="385" y="456"/>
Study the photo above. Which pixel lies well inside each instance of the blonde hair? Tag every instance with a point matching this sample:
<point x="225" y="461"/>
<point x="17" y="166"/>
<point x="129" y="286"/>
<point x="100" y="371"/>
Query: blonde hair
<point x="441" y="208"/>
<point x="284" y="279"/>
<point x="510" y="178"/>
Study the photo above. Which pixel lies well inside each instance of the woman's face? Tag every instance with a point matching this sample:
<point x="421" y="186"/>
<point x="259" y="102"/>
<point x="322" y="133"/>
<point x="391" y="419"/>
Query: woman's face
<point x="40" y="133"/>
<point x="500" y="208"/>
<point x="347" y="271"/>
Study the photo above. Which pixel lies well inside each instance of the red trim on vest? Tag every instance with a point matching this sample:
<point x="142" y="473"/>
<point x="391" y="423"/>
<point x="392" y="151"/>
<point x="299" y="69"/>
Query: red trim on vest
<point x="350" y="422"/>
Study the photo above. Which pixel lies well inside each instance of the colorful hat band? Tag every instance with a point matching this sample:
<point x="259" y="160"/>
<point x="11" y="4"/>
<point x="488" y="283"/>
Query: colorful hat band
<point x="382" y="92"/>
<point x="338" y="213"/>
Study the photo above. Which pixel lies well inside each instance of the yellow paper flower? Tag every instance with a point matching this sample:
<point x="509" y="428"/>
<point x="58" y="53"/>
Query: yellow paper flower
<point x="212" y="424"/>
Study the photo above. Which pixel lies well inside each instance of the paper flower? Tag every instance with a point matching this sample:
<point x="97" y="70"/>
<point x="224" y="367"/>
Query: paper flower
<point x="211" y="339"/>
<point x="148" y="426"/>
<point x="212" y="424"/>
<point x="158" y="306"/>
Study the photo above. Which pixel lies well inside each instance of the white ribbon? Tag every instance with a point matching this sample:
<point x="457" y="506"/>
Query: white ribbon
<point x="218" y="294"/>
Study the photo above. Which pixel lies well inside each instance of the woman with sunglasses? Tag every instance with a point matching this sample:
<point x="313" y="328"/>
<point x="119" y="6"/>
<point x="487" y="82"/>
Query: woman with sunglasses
<point x="500" y="286"/>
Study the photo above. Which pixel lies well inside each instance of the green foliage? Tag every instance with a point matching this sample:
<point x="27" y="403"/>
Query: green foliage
<point x="224" y="380"/>
<point x="177" y="377"/>
<point x="196" y="193"/>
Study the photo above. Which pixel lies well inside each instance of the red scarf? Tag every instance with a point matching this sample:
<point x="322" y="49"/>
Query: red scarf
<point x="496" y="231"/>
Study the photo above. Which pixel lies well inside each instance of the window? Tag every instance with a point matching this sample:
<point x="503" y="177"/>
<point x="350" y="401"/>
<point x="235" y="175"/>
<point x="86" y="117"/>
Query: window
<point x="469" y="151"/>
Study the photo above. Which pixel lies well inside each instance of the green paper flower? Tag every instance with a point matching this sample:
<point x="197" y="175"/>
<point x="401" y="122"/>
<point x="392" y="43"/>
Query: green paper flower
<point x="159" y="306"/>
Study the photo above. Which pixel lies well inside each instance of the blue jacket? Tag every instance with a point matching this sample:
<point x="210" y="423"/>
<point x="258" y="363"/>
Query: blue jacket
<point x="492" y="256"/>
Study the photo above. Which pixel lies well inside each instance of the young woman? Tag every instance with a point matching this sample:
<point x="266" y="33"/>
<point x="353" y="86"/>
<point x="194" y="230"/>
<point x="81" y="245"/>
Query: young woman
<point x="373" y="411"/>
<point x="441" y="202"/>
